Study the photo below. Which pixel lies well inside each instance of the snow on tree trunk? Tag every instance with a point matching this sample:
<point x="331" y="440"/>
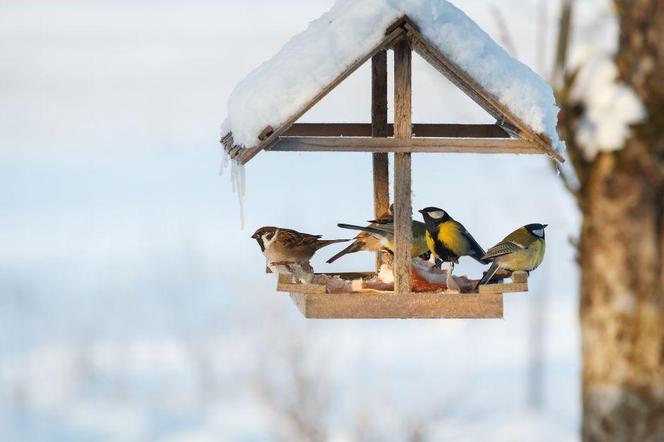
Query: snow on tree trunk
<point x="621" y="252"/>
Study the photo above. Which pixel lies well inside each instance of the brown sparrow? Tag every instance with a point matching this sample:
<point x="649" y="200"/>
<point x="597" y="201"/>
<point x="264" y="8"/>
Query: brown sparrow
<point x="286" y="246"/>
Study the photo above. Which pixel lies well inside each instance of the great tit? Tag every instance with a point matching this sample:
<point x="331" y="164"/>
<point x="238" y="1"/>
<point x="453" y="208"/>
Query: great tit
<point x="448" y="239"/>
<point x="384" y="232"/>
<point x="521" y="250"/>
<point x="286" y="246"/>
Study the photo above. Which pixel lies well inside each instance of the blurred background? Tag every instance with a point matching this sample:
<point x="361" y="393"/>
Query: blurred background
<point x="134" y="307"/>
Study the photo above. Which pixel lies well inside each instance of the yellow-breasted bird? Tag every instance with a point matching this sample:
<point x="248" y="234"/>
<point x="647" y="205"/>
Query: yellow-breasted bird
<point x="448" y="239"/>
<point x="364" y="241"/>
<point x="521" y="250"/>
<point x="384" y="233"/>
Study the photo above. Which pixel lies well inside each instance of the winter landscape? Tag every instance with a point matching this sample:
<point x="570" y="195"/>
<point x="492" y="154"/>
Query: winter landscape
<point x="134" y="304"/>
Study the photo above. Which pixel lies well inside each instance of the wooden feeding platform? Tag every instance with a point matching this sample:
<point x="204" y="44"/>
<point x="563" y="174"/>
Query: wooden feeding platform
<point x="509" y="135"/>
<point x="315" y="302"/>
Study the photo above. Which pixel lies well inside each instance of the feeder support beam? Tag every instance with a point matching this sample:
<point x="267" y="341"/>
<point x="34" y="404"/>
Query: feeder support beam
<point x="402" y="166"/>
<point x="379" y="129"/>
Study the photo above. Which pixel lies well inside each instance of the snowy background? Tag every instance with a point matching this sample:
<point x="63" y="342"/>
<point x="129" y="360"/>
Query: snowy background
<point x="132" y="306"/>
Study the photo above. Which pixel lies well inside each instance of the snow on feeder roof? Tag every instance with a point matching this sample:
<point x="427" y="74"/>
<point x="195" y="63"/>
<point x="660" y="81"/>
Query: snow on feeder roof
<point x="266" y="104"/>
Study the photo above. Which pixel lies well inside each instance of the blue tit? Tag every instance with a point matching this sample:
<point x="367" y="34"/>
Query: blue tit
<point x="521" y="250"/>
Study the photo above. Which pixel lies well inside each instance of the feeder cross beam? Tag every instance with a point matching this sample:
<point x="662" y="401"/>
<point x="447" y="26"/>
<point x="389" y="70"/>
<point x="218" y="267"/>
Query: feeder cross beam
<point x="379" y="129"/>
<point x="402" y="167"/>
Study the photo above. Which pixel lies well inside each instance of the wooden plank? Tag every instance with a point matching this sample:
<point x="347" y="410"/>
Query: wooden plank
<point x="292" y="287"/>
<point x="389" y="39"/>
<point x="468" y="85"/>
<point x="402" y="166"/>
<point x="520" y="277"/>
<point x="380" y="161"/>
<point x="412" y="145"/>
<point x="519" y="284"/>
<point x="286" y="282"/>
<point x="400" y="23"/>
<point x="399" y="306"/>
<point x="379" y="126"/>
<point x="513" y="287"/>
<point x="419" y="130"/>
<point x="349" y="276"/>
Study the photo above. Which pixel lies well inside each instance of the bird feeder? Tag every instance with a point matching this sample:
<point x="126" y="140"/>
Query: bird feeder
<point x="509" y="135"/>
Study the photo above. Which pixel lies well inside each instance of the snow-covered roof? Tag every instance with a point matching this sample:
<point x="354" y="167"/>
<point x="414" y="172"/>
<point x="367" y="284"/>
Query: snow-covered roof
<point x="284" y="85"/>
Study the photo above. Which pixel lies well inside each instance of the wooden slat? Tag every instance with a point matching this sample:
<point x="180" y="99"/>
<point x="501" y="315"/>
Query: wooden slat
<point x="520" y="277"/>
<point x="399" y="306"/>
<point x="468" y="85"/>
<point x="413" y="145"/>
<point x="287" y="285"/>
<point x="379" y="127"/>
<point x="419" y="130"/>
<point x="286" y="282"/>
<point x="389" y="39"/>
<point x="349" y="276"/>
<point x="514" y="287"/>
<point x="380" y="161"/>
<point x="519" y="284"/>
<point x="402" y="166"/>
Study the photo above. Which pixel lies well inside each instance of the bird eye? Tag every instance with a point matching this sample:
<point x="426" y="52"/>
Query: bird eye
<point x="269" y="235"/>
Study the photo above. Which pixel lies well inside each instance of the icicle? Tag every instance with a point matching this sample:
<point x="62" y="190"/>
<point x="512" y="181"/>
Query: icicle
<point x="238" y="181"/>
<point x="224" y="162"/>
<point x="239" y="184"/>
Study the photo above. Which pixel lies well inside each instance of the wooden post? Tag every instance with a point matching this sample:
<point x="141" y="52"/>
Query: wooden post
<point x="402" y="167"/>
<point x="379" y="129"/>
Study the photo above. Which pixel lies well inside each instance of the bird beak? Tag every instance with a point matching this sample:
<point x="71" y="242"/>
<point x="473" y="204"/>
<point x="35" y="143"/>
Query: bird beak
<point x="545" y="225"/>
<point x="421" y="211"/>
<point x="254" y="236"/>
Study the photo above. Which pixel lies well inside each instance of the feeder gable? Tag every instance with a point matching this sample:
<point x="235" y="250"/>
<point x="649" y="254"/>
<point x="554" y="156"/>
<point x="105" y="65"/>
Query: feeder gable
<point x="264" y="106"/>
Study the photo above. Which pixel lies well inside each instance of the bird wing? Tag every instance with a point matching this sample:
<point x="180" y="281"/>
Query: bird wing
<point x="385" y="219"/>
<point x="502" y="248"/>
<point x="386" y="230"/>
<point x="476" y="251"/>
<point x="292" y="239"/>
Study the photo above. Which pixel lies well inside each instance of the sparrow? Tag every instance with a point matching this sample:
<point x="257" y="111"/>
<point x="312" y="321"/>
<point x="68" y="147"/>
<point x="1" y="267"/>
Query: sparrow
<point x="364" y="241"/>
<point x="286" y="246"/>
<point x="447" y="239"/>
<point x="383" y="232"/>
<point x="521" y="250"/>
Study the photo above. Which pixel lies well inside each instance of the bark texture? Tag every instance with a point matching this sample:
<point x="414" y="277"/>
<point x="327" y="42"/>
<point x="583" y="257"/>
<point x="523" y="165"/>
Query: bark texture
<point x="621" y="251"/>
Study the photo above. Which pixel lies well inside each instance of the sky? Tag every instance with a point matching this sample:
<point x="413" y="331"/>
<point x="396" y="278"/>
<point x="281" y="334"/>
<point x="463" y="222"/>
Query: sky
<point x="124" y="272"/>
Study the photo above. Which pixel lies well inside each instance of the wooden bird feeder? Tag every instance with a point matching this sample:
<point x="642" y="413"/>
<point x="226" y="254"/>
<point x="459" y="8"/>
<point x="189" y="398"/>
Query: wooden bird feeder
<point x="508" y="135"/>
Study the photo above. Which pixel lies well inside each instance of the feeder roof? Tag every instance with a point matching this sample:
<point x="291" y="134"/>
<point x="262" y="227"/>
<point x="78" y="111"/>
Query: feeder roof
<point x="285" y="86"/>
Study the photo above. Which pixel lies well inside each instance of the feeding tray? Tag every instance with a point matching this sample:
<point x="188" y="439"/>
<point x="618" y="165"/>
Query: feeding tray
<point x="314" y="301"/>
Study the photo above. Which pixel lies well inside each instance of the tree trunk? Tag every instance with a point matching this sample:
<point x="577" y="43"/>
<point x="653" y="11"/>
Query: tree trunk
<point x="622" y="252"/>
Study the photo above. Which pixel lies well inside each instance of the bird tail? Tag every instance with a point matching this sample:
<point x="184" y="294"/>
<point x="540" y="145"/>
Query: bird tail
<point x="372" y="230"/>
<point x="328" y="242"/>
<point x="478" y="255"/>
<point x="489" y="274"/>
<point x="355" y="247"/>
